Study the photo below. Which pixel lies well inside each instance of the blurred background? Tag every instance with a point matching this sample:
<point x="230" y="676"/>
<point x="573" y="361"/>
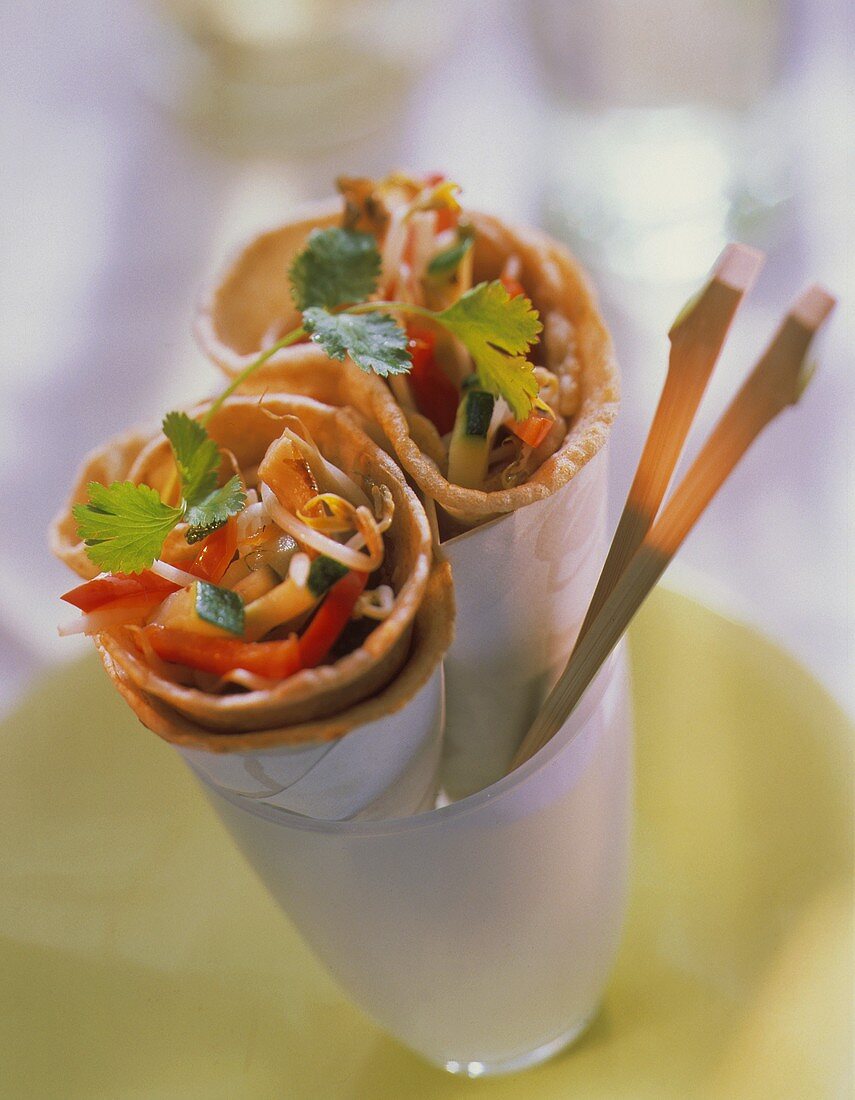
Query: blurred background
<point x="144" y="139"/>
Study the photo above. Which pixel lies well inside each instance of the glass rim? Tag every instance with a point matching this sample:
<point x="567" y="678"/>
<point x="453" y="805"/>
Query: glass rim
<point x="426" y="819"/>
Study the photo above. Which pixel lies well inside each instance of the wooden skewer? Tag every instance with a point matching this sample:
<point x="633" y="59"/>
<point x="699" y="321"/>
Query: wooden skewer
<point x="778" y="380"/>
<point x="697" y="337"/>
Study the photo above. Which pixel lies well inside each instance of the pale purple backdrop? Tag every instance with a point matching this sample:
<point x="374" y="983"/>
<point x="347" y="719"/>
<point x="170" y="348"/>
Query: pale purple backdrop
<point x="116" y="208"/>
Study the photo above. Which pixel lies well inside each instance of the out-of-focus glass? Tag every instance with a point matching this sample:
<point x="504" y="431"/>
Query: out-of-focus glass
<point x="666" y="134"/>
<point x="282" y="75"/>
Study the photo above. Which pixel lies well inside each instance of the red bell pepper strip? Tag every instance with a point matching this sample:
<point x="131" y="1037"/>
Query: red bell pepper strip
<point x="274" y="660"/>
<point x="215" y="553"/>
<point x="116" y="586"/>
<point x="331" y="618"/>
<point x="435" y="394"/>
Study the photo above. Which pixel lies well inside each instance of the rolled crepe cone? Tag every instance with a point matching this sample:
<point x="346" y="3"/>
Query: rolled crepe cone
<point x="246" y="429"/>
<point x="522" y="581"/>
<point x="249" y="307"/>
<point x="386" y="766"/>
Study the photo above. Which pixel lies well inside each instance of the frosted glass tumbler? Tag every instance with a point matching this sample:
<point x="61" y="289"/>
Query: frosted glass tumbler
<point x="480" y="934"/>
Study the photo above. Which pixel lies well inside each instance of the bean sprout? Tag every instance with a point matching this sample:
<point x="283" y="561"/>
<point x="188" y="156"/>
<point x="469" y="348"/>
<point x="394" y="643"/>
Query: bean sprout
<point x="298" y="570"/>
<point x="329" y="513"/>
<point x="376" y="604"/>
<point x="507" y="450"/>
<point x="384" y="506"/>
<point x="171" y="573"/>
<point x="250" y="521"/>
<point x="368" y="534"/>
<point x="308" y="536"/>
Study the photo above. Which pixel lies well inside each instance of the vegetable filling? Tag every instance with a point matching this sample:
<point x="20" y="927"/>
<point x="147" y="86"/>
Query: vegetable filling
<point x="272" y="589"/>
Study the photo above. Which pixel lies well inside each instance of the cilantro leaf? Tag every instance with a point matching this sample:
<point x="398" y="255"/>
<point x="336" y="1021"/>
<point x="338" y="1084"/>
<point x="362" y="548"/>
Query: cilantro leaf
<point x="374" y="341"/>
<point x="445" y="263"/>
<point x="212" y="511"/>
<point x="124" y="525"/>
<point x="196" y="455"/>
<point x="336" y="268"/>
<point x="497" y="331"/>
<point x="220" y="606"/>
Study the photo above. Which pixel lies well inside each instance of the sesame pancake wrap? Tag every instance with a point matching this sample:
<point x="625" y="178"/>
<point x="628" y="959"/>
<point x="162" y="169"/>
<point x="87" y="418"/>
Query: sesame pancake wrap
<point x="286" y="580"/>
<point x="249" y="307"/>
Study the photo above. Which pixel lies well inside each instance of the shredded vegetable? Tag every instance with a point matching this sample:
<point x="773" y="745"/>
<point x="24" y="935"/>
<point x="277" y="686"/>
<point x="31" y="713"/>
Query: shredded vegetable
<point x="299" y="569"/>
<point x="327" y="475"/>
<point x="384" y="506"/>
<point x="329" y="514"/>
<point x="346" y="555"/>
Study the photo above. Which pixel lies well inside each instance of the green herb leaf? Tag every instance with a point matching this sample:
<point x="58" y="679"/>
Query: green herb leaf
<point x="124" y="525"/>
<point x="212" y="511"/>
<point x="374" y="341"/>
<point x="498" y="331"/>
<point x="220" y="606"/>
<point x="445" y="263"/>
<point x="336" y="268"/>
<point x="196" y="455"/>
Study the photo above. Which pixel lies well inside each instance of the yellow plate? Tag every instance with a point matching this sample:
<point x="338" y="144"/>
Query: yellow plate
<point x="140" y="958"/>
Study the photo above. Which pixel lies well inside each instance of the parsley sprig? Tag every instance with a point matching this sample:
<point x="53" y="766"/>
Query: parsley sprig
<point x="125" y="525"/>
